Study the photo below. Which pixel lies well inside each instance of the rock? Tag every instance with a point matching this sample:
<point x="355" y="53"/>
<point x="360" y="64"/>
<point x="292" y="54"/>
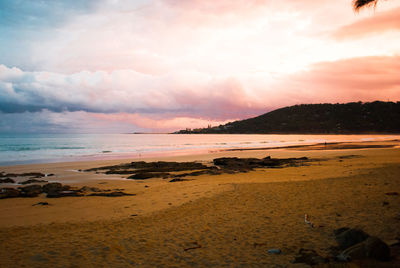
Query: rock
<point x="32" y="181"/>
<point x="177" y="179"/>
<point x="31" y="190"/>
<point x="111" y="194"/>
<point x="348" y="237"/>
<point x="392" y="193"/>
<point x="198" y="173"/>
<point x="52" y="187"/>
<point x="90" y="189"/>
<point x="148" y="175"/>
<point x="28" y="174"/>
<point x="160" y="166"/>
<point x="67" y="193"/>
<point x="377" y="249"/>
<point x="56" y="190"/>
<point x="119" y="171"/>
<point x="274" y="251"/>
<point x="340" y="230"/>
<point x="9" y="193"/>
<point x="245" y="164"/>
<point x="372" y="248"/>
<point x="41" y="203"/>
<point x="7" y="180"/>
<point x="308" y="256"/>
<point x="144" y="170"/>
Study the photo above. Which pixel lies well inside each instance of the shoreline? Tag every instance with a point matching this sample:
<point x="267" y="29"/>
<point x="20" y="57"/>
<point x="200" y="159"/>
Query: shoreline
<point x="248" y="212"/>
<point x="166" y="149"/>
<point x="201" y="153"/>
<point x="69" y="173"/>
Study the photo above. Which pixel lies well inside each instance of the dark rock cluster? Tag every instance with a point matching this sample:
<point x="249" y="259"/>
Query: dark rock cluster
<point x="30" y="181"/>
<point x="33" y="177"/>
<point x="246" y="164"/>
<point x="28" y="174"/>
<point x="56" y="190"/>
<point x="354" y="245"/>
<point x="7" y="180"/>
<point x="145" y="170"/>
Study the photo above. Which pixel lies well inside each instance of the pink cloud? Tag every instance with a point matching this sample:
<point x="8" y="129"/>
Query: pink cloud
<point x="156" y="124"/>
<point x="378" y="23"/>
<point x="356" y="79"/>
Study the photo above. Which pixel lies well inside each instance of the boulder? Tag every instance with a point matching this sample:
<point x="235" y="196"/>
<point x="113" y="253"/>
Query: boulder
<point x="348" y="237"/>
<point x="52" y="187"/>
<point x="90" y="189"/>
<point x="371" y="248"/>
<point x="55" y="190"/>
<point x="31" y="190"/>
<point x="68" y="193"/>
<point x="377" y="249"/>
<point x="7" y="180"/>
<point x="31" y="181"/>
<point x="9" y="193"/>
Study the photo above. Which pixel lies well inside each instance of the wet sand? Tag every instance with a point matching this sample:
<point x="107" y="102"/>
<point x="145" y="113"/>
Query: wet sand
<point x="223" y="220"/>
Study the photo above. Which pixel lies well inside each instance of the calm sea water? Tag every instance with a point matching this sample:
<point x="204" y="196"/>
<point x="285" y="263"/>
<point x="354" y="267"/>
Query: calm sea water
<point x="44" y="148"/>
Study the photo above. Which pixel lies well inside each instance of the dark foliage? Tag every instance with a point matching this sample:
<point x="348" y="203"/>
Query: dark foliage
<point x="357" y="4"/>
<point x="354" y="117"/>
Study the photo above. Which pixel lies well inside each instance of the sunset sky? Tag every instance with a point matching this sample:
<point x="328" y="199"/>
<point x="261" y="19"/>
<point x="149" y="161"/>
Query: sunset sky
<point x="164" y="65"/>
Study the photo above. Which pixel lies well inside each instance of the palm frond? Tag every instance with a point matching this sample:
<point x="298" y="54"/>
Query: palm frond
<point x="357" y="4"/>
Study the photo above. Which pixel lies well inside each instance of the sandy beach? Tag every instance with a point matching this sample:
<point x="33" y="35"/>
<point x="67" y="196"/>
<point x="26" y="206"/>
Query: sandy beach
<point x="219" y="220"/>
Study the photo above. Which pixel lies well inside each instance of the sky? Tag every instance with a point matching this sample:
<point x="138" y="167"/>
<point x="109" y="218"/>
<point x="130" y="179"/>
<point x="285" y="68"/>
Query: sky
<point x="118" y="66"/>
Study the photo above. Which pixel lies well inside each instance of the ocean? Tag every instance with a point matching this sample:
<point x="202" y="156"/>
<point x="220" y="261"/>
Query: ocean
<point x="46" y="148"/>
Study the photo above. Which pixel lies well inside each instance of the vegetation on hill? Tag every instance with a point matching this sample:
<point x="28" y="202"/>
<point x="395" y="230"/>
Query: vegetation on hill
<point x="354" y="117"/>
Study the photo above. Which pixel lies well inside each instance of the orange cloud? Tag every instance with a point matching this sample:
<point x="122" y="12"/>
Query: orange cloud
<point x="365" y="79"/>
<point x="380" y="22"/>
<point x="156" y="124"/>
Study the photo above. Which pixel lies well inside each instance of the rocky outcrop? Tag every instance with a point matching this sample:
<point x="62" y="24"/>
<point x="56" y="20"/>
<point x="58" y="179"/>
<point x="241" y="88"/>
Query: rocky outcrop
<point x="7" y="180"/>
<point x="177" y="179"/>
<point x="9" y="193"/>
<point x="52" y="188"/>
<point x="30" y="191"/>
<point x="372" y="248"/>
<point x="160" y="166"/>
<point x="57" y="190"/>
<point x="28" y="174"/>
<point x="145" y="170"/>
<point x="235" y="163"/>
<point x="148" y="175"/>
<point x="347" y="237"/>
<point x="358" y="245"/>
<point x="30" y="181"/>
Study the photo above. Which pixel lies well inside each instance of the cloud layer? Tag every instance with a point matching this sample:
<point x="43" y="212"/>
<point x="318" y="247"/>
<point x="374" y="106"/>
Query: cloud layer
<point x="162" y="65"/>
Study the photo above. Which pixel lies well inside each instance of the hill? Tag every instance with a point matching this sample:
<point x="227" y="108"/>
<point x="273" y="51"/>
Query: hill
<point x="348" y="118"/>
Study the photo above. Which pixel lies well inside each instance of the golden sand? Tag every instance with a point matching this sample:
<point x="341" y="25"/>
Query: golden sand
<point x="224" y="220"/>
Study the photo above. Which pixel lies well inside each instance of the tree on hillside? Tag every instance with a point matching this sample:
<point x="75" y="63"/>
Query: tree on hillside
<point x="357" y="4"/>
